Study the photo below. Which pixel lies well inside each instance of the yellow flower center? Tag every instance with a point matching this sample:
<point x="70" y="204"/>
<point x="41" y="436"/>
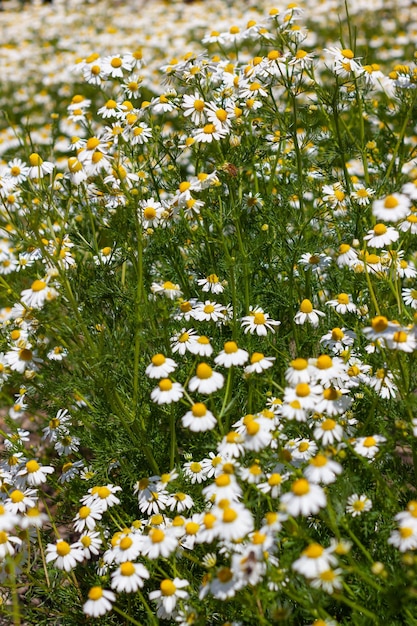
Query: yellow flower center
<point x="319" y="460"/>
<point x="167" y="587"/>
<point x="259" y="318"/>
<point x="125" y="543"/>
<point x="252" y="428"/>
<point x="157" y="535"/>
<point x="17" y="496"/>
<point x="204" y="371"/>
<point x="63" y="548"/>
<point x="313" y="551"/>
<point x="256" y="357"/>
<point x="337" y="334"/>
<point x="32" y="466"/>
<point x="324" y="362"/>
<point x="369" y="442"/>
<point x="331" y="394"/>
<point x="192" y="528"/>
<point x="379" y="323"/>
<point x="199" y="409"/>
<point x="95" y="593"/>
<point x="302" y="390"/>
<point x="165" y="384"/>
<point x="84" y="512"/>
<point x="306" y="306"/>
<point x="116" y="62"/>
<point x="380" y="229"/>
<point x="158" y="359"/>
<point x="35" y="160"/>
<point x="390" y="202"/>
<point x="343" y="298"/>
<point x="275" y="479"/>
<point x="223" y="480"/>
<point x="149" y="213"/>
<point x="299" y="364"/>
<point x="195" y="467"/>
<point x="346" y="52"/>
<point x="127" y="569"/>
<point x="209" y="308"/>
<point x="225" y="575"/>
<point x="230" y="347"/>
<point x="300" y="487"/>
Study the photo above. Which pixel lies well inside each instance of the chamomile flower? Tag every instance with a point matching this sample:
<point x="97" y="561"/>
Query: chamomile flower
<point x="259" y="363"/>
<point x="211" y="284"/>
<point x="8" y="544"/>
<point x="342" y="304"/>
<point x="129" y="577"/>
<point x="405" y="538"/>
<point x="313" y="560"/>
<point x="63" y="555"/>
<point x="410" y="297"/>
<point x="104" y="495"/>
<point x="392" y="208"/>
<point x="305" y="498"/>
<point x="38" y="167"/>
<point x="90" y="543"/>
<point x="231" y="355"/>
<point x="34" y="473"/>
<point x="368" y="447"/>
<point x="258" y="322"/>
<point x="322" y="469"/>
<point x="208" y="311"/>
<point x="206" y="380"/>
<point x="160" y="367"/>
<point x="199" y="418"/>
<point x="181" y="341"/>
<point x="88" y="516"/>
<point x="356" y="505"/>
<point x="347" y="255"/>
<point x="159" y="542"/>
<point x="308" y="314"/>
<point x="167" y="392"/>
<point x="19" y="501"/>
<point x="328" y="431"/>
<point x="167" y="289"/>
<point x="99" y="602"/>
<point x="380" y="236"/>
<point x="338" y="339"/>
<point x="167" y="596"/>
<point x="329" y="580"/>
<point x="201" y="346"/>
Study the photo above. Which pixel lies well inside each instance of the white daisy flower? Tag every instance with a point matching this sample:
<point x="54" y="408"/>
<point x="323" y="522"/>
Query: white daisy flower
<point x="368" y="447"/>
<point x="380" y="236"/>
<point x="308" y="314"/>
<point x="181" y="341"/>
<point x="259" y="363"/>
<point x="99" y="602"/>
<point x="34" y="473"/>
<point x="206" y="380"/>
<point x="129" y="577"/>
<point x="356" y="505"/>
<point x="167" y="596"/>
<point x="328" y="431"/>
<point x="305" y="498"/>
<point x="88" y="516"/>
<point x="393" y="208"/>
<point x="199" y="418"/>
<point x="159" y="542"/>
<point x="160" y="367"/>
<point x="342" y="304"/>
<point x="63" y="555"/>
<point x="313" y="560"/>
<point x="167" y="392"/>
<point x="258" y="322"/>
<point x="231" y="355"/>
<point x="208" y="311"/>
<point x="201" y="346"/>
<point x="211" y="284"/>
<point x="321" y="469"/>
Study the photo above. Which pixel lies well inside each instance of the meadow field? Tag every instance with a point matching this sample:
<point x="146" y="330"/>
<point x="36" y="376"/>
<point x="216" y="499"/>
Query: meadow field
<point x="208" y="313"/>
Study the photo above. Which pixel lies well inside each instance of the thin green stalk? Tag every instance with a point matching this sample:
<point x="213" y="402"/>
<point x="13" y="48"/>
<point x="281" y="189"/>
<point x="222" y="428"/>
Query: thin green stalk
<point x="173" y="440"/>
<point x="400" y="140"/>
<point x="357" y="607"/>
